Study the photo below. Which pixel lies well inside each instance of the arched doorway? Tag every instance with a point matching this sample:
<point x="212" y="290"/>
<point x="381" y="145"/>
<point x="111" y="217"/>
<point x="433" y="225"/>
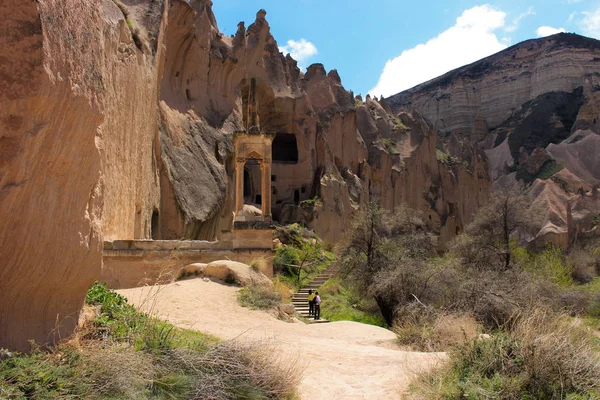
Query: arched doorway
<point x="248" y="187"/>
<point x="252" y="183"/>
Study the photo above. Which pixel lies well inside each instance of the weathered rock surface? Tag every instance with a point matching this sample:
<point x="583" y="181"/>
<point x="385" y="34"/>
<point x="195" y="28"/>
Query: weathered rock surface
<point x="535" y="109"/>
<point x="329" y="154"/>
<point x="77" y="122"/>
<point x="116" y="122"/>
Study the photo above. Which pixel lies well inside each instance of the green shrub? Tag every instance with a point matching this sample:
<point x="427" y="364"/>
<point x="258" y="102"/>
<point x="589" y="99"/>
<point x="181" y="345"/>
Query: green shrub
<point x="551" y="264"/>
<point x="346" y="304"/>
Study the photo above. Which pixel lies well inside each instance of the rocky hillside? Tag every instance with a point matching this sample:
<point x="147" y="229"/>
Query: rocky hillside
<point x="116" y="122"/>
<point x="535" y="110"/>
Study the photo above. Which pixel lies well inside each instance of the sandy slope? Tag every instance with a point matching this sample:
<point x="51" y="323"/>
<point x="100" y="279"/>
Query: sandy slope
<point x="342" y="360"/>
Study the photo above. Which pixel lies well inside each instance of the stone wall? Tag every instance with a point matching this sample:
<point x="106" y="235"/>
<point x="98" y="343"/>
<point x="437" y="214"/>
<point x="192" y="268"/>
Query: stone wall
<point x="133" y="263"/>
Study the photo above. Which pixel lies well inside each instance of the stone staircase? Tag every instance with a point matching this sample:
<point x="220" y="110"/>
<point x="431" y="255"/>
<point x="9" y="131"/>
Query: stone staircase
<point x="300" y="299"/>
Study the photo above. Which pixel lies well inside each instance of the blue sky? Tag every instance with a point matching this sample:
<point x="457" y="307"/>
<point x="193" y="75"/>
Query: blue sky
<point x="385" y="46"/>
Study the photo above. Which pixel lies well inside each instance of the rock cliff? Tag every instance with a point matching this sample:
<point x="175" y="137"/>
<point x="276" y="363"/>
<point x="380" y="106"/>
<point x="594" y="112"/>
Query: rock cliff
<point x="116" y="122"/>
<point x="78" y="111"/>
<point x="535" y="109"/>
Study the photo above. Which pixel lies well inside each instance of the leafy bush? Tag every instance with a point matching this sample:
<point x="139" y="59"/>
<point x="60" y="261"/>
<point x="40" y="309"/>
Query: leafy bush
<point x="551" y="264"/>
<point x="346" y="304"/>
<point x="301" y="258"/>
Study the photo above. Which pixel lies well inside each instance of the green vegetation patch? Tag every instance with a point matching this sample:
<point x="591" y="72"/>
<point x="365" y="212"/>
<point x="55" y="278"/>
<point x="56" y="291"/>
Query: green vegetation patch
<point x="547" y="171"/>
<point x="301" y="257"/>
<point x="389" y="145"/>
<point x="346" y="304"/>
<point x="125" y="354"/>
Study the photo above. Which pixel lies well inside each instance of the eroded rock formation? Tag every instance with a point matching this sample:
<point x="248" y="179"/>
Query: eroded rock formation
<point x="78" y="112"/>
<point x="116" y="122"/>
<point x="535" y="109"/>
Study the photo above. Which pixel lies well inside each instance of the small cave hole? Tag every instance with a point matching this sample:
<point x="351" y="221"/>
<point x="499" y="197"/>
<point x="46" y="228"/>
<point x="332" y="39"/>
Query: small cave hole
<point x="258" y="199"/>
<point x="177" y="74"/>
<point x="296" y="196"/>
<point x="187" y="94"/>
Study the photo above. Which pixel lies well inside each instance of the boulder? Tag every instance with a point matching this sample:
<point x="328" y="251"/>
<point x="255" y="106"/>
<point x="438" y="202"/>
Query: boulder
<point x="228" y="270"/>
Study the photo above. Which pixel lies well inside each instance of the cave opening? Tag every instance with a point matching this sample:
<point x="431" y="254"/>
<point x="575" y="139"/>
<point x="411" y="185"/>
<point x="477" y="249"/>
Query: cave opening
<point x="285" y="149"/>
<point x="154" y="225"/>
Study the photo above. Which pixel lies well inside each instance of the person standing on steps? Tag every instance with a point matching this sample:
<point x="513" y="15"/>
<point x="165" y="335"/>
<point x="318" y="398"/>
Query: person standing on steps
<point x="311" y="302"/>
<point x="317" y="306"/>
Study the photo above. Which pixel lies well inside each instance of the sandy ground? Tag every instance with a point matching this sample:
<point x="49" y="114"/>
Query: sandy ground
<point x="341" y="360"/>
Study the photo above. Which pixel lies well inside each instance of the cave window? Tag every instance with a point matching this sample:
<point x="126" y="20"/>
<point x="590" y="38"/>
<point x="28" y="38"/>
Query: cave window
<point x="187" y="94"/>
<point x="451" y="208"/>
<point x="430" y="217"/>
<point x="274" y="190"/>
<point x="258" y="199"/>
<point x="296" y="196"/>
<point x="176" y="74"/>
<point x="285" y="149"/>
<point x="273" y="178"/>
<point x="303" y="189"/>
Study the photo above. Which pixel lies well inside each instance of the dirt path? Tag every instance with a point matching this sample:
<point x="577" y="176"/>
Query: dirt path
<point x="342" y="360"/>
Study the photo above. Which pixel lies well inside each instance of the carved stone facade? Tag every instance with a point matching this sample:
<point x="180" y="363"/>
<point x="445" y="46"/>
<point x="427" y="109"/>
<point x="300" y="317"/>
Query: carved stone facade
<point x="250" y="146"/>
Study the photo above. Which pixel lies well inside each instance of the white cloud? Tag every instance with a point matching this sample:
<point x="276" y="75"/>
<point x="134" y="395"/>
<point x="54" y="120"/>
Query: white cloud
<point x="515" y="24"/>
<point x="470" y="39"/>
<point x="300" y="51"/>
<point x="544" y="31"/>
<point x="590" y="23"/>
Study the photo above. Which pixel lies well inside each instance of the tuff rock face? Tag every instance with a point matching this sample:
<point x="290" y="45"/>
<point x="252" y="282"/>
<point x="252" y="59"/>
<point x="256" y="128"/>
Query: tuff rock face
<point x="535" y="109"/>
<point x="116" y="122"/>
<point x="78" y="112"/>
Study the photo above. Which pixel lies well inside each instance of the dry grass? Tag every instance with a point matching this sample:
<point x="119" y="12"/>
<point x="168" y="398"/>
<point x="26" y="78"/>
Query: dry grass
<point x="259" y="297"/>
<point x="430" y="331"/>
<point x="220" y="369"/>
<point x="540" y="355"/>
<point x="124" y="354"/>
<point x="258" y="264"/>
<point x="284" y="289"/>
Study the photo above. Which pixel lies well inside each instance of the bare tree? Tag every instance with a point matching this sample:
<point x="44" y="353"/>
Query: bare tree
<point x="488" y="240"/>
<point x="385" y="246"/>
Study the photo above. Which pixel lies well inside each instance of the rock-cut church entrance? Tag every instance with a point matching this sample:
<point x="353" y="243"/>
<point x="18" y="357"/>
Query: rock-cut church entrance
<point x="252" y="183"/>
